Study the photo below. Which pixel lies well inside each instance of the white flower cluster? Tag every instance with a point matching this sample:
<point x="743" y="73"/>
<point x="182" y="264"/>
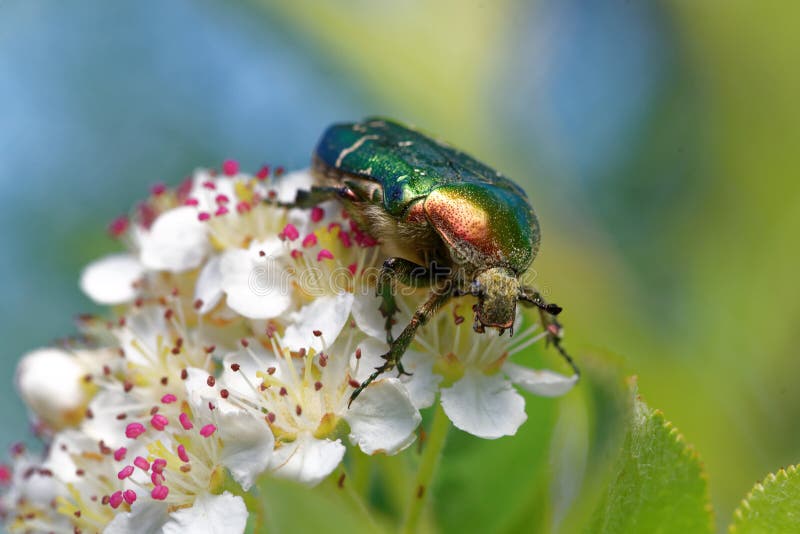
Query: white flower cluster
<point x="239" y="332"/>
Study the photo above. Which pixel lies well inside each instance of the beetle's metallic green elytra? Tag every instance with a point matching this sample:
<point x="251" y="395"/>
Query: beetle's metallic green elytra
<point x="495" y="219"/>
<point x="445" y="221"/>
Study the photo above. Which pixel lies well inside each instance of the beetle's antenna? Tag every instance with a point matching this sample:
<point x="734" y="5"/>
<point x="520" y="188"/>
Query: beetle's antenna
<point x="554" y="336"/>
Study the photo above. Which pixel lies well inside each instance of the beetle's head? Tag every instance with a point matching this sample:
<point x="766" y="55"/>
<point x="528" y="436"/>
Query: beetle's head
<point x="497" y="290"/>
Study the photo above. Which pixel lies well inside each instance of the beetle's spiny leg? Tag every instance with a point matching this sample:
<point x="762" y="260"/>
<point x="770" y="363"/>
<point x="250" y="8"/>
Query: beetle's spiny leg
<point x="398" y="347"/>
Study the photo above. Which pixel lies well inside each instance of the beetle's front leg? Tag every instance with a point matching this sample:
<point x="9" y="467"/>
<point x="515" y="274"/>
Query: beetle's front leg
<point x="547" y="315"/>
<point x="396" y="270"/>
<point x="399" y="346"/>
<point x="318" y="193"/>
<point x="531" y="297"/>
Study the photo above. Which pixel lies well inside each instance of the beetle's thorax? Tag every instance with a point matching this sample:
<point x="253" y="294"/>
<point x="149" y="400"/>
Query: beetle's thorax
<point x="497" y="289"/>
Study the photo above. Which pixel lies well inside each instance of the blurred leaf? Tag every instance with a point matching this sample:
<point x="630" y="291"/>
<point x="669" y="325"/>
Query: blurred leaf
<point x="587" y="441"/>
<point x="494" y="485"/>
<point x="771" y="506"/>
<point x="660" y="485"/>
<point x="292" y="507"/>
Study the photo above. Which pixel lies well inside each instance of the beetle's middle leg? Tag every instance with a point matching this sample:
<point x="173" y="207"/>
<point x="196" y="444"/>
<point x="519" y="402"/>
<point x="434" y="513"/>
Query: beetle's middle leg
<point x="402" y="271"/>
<point x="398" y="347"/>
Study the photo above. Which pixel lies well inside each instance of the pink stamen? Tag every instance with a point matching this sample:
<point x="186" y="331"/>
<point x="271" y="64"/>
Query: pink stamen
<point x="367" y="241"/>
<point x="222" y="199"/>
<point x="296" y="254"/>
<point x="183" y="190"/>
<point x="5" y="474"/>
<point x="324" y="254"/>
<point x="222" y="210"/>
<point x="129" y="496"/>
<point x="243" y="207"/>
<point x="119" y="454"/>
<point x="352" y="268"/>
<point x="118" y="226"/>
<point x="147" y="214"/>
<point x="125" y="472"/>
<point x="203" y="216"/>
<point x="182" y="453"/>
<point x="263" y="172"/>
<point x="344" y="237"/>
<point x="310" y="240"/>
<point x="290" y="232"/>
<point x="141" y="463"/>
<point x="317" y="214"/>
<point x="158" y="189"/>
<point x="160" y="492"/>
<point x="158" y="465"/>
<point x="115" y="500"/>
<point x="159" y="422"/>
<point x="208" y="430"/>
<point x="134" y="430"/>
<point x="157" y="478"/>
<point x="169" y="398"/>
<point x="210" y="185"/>
<point x="230" y="167"/>
<point x="185" y="422"/>
<point x="279" y="171"/>
<point x="191" y="202"/>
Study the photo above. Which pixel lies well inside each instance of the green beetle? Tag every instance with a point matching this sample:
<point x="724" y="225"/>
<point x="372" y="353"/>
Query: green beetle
<point x="445" y="220"/>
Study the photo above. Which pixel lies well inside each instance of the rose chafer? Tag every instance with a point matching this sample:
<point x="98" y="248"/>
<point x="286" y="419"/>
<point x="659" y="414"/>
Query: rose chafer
<point x="446" y="221"/>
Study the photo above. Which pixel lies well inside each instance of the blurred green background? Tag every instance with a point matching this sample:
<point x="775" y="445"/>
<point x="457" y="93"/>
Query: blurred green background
<point x="658" y="141"/>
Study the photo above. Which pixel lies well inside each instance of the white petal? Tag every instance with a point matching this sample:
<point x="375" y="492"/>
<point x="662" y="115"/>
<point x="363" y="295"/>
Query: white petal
<point x="371" y="351"/>
<point x="327" y="314"/>
<point x="110" y="280"/>
<point x="247" y="445"/>
<point x="367" y="315"/>
<point x="307" y="460"/>
<point x="30" y="484"/>
<point x="485" y="406"/>
<point x="242" y="381"/>
<point x="423" y="383"/>
<point x="210" y="514"/>
<point x="382" y="418"/>
<point x="176" y="242"/>
<point x="104" y="425"/>
<point x="208" y="288"/>
<point x="145" y="516"/>
<point x="206" y="198"/>
<point x="287" y="186"/>
<point x="50" y="381"/>
<point x="540" y="382"/>
<point x="254" y="285"/>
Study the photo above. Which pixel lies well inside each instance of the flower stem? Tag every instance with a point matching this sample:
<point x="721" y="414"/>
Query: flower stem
<point x="427" y="469"/>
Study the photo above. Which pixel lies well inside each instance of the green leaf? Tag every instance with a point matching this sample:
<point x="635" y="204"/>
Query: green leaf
<point x="771" y="506"/>
<point x="493" y="485"/>
<point x="331" y="507"/>
<point x="659" y="486"/>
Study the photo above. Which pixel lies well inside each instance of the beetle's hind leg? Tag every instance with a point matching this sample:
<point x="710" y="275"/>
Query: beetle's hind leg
<point x="399" y="346"/>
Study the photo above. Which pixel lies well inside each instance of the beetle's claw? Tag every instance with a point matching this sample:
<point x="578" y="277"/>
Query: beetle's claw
<point x="401" y="371"/>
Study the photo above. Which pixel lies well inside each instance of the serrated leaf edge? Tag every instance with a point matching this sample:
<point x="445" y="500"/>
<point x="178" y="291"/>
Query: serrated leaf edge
<point x="687" y="449"/>
<point x="760" y="487"/>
